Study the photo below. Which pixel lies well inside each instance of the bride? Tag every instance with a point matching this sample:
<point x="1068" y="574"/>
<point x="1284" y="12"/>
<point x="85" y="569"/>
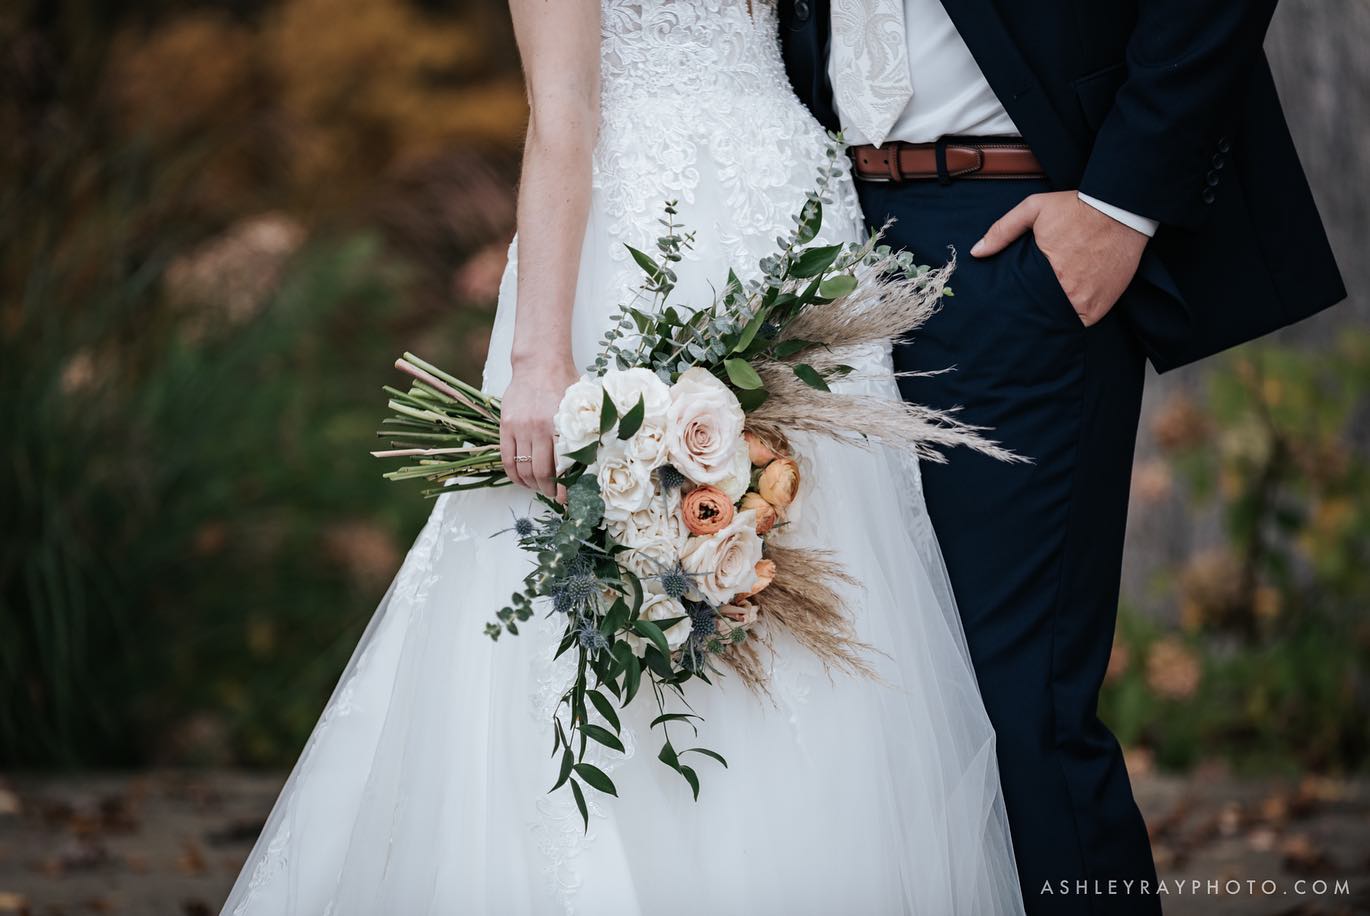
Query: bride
<point x="423" y="789"/>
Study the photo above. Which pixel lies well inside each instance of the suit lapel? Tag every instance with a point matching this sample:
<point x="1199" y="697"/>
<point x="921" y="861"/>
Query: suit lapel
<point x="1003" y="63"/>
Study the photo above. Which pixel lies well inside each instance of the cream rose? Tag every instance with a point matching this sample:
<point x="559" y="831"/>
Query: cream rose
<point x="739" y="476"/>
<point x="703" y="426"/>
<point x="648" y="445"/>
<point x="649" y="560"/>
<point x="659" y="519"/>
<point x="626" y="386"/>
<point x="657" y="608"/>
<point x="625" y="484"/>
<point x="576" y="423"/>
<point x="723" y="565"/>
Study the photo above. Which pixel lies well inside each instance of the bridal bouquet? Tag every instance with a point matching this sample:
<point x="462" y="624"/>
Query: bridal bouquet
<point x="677" y="451"/>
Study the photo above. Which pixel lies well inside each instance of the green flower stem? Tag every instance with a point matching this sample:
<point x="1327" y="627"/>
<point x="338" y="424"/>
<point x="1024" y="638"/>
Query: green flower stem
<point x="488" y="400"/>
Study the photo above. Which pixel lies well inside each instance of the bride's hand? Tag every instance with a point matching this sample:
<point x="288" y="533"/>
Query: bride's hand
<point x="525" y="430"/>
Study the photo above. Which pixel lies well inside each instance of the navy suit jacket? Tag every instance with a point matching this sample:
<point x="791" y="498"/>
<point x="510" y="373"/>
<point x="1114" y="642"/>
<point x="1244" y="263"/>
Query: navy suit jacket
<point x="1165" y="108"/>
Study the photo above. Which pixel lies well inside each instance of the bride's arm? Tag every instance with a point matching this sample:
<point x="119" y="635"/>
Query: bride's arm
<point x="559" y="43"/>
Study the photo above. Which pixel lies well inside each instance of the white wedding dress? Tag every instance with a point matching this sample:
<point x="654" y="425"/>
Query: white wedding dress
<point x="424" y="787"/>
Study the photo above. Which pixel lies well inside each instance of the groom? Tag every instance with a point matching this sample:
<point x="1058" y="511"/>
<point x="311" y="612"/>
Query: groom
<point x="1119" y="185"/>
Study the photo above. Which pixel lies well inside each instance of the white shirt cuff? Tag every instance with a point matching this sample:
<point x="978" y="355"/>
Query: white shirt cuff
<point x="1146" y="227"/>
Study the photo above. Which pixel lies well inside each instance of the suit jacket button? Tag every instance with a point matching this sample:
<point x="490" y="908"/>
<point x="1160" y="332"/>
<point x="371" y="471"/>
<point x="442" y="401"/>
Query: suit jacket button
<point x="802" y="10"/>
<point x="1218" y="161"/>
<point x="1209" y="196"/>
<point x="1224" y="146"/>
<point x="1212" y="179"/>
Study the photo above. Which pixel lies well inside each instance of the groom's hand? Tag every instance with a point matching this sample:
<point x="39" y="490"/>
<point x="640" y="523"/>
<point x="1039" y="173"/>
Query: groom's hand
<point x="1094" y="255"/>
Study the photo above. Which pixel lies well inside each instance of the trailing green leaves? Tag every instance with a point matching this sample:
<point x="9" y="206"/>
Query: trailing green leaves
<point x="596" y="778"/>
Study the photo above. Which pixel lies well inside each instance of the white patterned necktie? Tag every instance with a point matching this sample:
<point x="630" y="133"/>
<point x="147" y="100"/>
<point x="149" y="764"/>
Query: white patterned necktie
<point x="870" y="65"/>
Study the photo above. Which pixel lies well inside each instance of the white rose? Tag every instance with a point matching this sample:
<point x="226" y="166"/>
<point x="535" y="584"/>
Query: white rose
<point x="624" y="484"/>
<point x="626" y="386"/>
<point x="660" y="519"/>
<point x="704" y="426"/>
<point x="649" y="560"/>
<point x="723" y="564"/>
<point x="576" y="423"/>
<point x="739" y="478"/>
<point x="656" y="608"/>
<point x="648" y="444"/>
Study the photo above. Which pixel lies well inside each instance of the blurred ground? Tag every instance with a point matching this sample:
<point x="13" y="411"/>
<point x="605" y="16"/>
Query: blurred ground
<point x="167" y="843"/>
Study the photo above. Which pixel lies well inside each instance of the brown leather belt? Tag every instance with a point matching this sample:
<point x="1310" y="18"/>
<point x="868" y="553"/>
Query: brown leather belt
<point x="946" y="160"/>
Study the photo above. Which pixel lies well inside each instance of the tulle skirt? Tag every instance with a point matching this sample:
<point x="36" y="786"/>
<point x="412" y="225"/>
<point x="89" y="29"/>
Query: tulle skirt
<point x="424" y="787"/>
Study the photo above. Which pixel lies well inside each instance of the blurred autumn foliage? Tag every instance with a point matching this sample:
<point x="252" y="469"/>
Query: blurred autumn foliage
<point x="218" y="225"/>
<point x="1270" y="665"/>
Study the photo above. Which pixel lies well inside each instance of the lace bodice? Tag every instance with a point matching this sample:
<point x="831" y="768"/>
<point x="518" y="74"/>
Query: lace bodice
<point x="695" y="99"/>
<point x="685" y="47"/>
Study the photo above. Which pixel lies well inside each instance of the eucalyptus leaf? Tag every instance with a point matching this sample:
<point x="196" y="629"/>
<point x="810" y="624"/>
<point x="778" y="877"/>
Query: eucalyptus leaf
<point x="810" y="220"/>
<point x="837" y="287"/>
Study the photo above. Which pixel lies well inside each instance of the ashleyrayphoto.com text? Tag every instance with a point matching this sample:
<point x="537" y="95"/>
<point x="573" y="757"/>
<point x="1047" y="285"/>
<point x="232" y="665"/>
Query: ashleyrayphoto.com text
<point x="1199" y="887"/>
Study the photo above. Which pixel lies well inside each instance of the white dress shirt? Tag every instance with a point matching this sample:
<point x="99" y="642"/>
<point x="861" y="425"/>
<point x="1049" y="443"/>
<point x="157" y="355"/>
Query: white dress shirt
<point x="951" y="96"/>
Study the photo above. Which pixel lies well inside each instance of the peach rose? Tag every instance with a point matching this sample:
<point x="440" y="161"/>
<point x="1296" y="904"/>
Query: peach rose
<point x="706" y="510"/>
<point x="765" y="575"/>
<point x="760" y="451"/>
<point x="736" y="616"/>
<point x="766" y="516"/>
<point x="779" y="482"/>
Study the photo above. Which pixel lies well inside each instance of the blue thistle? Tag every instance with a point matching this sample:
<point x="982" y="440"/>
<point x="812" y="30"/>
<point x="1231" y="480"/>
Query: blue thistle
<point x="581" y="587"/>
<point x="523" y="527"/>
<point x="702" y="620"/>
<point x="675" y="582"/>
<point x="670" y="478"/>
<point x="592" y="640"/>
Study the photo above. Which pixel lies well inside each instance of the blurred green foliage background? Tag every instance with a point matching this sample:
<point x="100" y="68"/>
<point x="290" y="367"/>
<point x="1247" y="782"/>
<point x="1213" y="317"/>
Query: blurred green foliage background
<point x="219" y="223"/>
